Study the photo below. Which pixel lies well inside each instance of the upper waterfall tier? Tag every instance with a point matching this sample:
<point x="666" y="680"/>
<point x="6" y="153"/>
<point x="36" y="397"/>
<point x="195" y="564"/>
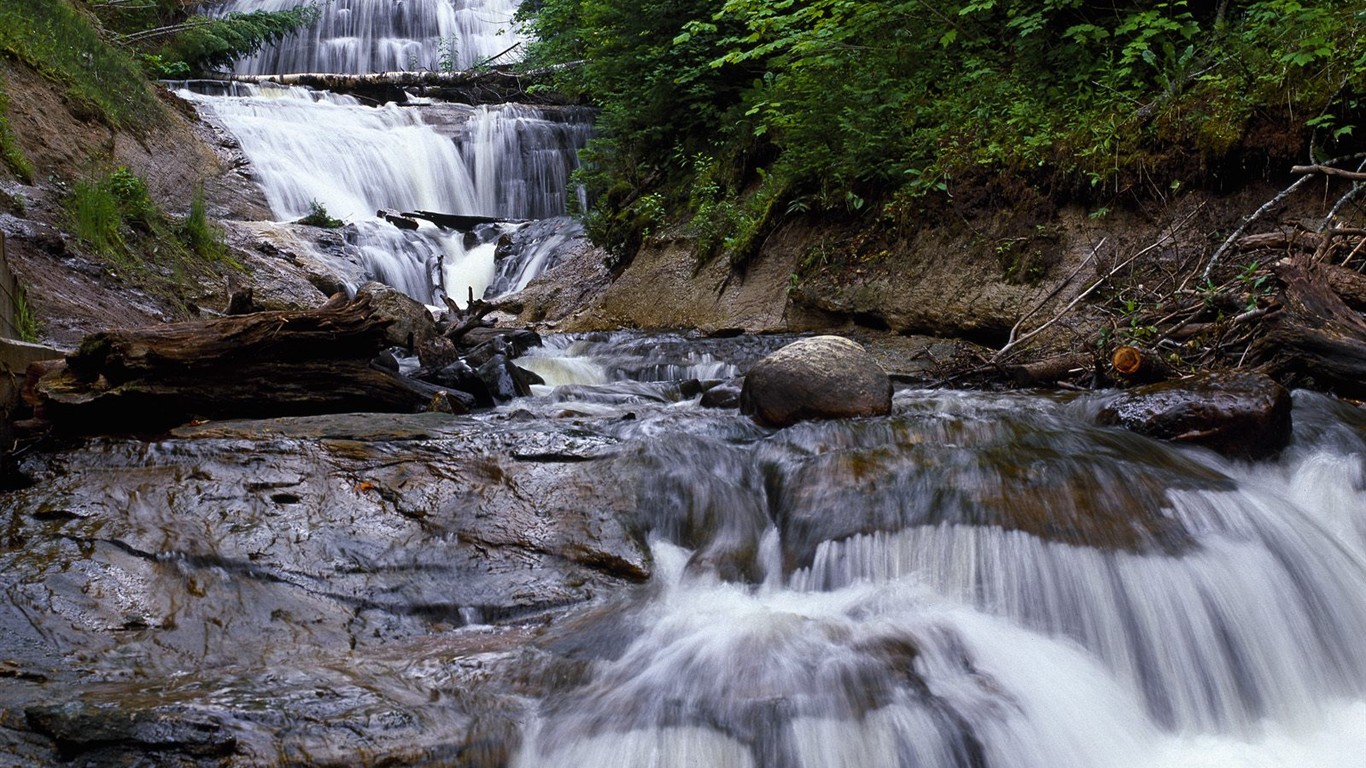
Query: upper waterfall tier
<point x="362" y="36"/>
<point x="307" y="147"/>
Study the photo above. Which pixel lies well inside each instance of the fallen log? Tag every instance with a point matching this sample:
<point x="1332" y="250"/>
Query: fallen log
<point x="1348" y="284"/>
<point x="459" y="222"/>
<point x="1317" y="335"/>
<point x="1050" y="370"/>
<point x="251" y="366"/>
<point x="462" y="321"/>
<point x="493" y="85"/>
<point x="1136" y="366"/>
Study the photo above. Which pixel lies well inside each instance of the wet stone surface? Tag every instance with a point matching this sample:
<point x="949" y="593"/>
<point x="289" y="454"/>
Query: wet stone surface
<point x="383" y="589"/>
<point x="298" y="586"/>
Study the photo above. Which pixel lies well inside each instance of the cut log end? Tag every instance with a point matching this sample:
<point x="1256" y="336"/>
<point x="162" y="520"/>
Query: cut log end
<point x="1127" y="361"/>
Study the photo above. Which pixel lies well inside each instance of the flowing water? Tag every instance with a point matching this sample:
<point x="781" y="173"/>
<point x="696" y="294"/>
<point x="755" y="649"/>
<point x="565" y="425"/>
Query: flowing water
<point x="977" y="580"/>
<point x="363" y="36"/>
<point x="309" y="148"/>
<point x="884" y="593"/>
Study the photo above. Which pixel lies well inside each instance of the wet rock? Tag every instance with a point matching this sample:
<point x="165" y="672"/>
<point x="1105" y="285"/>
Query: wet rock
<point x="517" y="341"/>
<point x="81" y="729"/>
<point x="437" y="353"/>
<point x="412" y="325"/>
<point x="1107" y="490"/>
<point x="723" y="395"/>
<point x="824" y="377"/>
<point x="504" y="380"/>
<point x="1241" y="415"/>
<point x="456" y="402"/>
<point x="292" y="583"/>
<point x="460" y="376"/>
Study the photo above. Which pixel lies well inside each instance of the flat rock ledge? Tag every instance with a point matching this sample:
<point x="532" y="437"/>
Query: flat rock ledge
<point x="1240" y="415"/>
<point x="823" y="377"/>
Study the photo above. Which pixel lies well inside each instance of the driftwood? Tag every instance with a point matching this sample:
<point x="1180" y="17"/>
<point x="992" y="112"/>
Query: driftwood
<point x="460" y="222"/>
<point x="258" y="365"/>
<point x="493" y="85"/>
<point x="1138" y="366"/>
<point x="1050" y="370"/>
<point x="1348" y="284"/>
<point x="1316" y="335"/>
<point x="462" y="321"/>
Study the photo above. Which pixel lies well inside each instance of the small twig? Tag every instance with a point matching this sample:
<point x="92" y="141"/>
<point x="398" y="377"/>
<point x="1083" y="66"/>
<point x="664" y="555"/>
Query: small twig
<point x="1237" y="233"/>
<point x="1015" y="329"/>
<point x="1328" y="170"/>
<point x="1074" y="302"/>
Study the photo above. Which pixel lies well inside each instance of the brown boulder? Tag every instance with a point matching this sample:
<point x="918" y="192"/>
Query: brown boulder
<point x="412" y="327"/>
<point x="823" y="377"/>
<point x="1242" y="415"/>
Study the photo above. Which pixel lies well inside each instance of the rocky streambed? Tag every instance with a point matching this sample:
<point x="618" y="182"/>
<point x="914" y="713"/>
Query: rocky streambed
<point x="429" y="589"/>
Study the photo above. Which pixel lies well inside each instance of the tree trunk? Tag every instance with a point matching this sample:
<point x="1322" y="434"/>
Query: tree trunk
<point x="1316" y="336"/>
<point x="252" y="366"/>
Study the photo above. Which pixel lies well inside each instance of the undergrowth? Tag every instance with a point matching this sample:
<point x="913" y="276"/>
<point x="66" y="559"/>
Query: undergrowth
<point x="113" y="215"/>
<point x="66" y="46"/>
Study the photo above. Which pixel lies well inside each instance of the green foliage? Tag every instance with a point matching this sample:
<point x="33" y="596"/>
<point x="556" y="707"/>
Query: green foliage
<point x="319" y="217"/>
<point x="25" y="322"/>
<point x="204" y="43"/>
<point x="66" y="46"/>
<point x="115" y="217"/>
<point x="199" y="233"/>
<point x="108" y="211"/>
<point x="847" y="104"/>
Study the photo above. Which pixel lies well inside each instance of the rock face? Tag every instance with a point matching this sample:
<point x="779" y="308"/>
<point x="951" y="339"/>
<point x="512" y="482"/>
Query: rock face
<point x="412" y="325"/>
<point x="278" y="584"/>
<point x="824" y="377"/>
<point x="1242" y="415"/>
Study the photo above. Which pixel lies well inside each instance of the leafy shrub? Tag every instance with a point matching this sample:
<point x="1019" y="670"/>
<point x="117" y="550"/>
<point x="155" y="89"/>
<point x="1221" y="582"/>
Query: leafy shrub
<point x="847" y="105"/>
<point x="319" y="217"/>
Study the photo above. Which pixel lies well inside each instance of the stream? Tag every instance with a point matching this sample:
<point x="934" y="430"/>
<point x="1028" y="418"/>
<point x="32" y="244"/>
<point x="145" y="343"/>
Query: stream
<point x="607" y="573"/>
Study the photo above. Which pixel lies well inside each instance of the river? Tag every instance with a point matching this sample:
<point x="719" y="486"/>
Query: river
<point x="607" y="573"/>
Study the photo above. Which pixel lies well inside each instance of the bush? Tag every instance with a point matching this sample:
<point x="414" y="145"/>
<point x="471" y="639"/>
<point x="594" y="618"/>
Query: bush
<point x="850" y="105"/>
<point x="319" y="217"/>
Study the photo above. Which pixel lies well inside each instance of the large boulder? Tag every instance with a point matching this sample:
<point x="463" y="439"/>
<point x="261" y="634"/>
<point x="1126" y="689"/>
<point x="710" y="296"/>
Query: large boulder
<point x="1242" y="415"/>
<point x="412" y="325"/>
<point x="823" y="377"/>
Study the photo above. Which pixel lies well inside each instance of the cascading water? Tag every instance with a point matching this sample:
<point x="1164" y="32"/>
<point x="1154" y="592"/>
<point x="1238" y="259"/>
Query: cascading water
<point x="608" y="574"/>
<point x="308" y="148"/>
<point x="977" y="581"/>
<point x="363" y="36"/>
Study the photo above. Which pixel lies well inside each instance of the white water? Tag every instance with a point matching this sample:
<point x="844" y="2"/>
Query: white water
<point x="363" y="36"/>
<point x="964" y="645"/>
<point x="310" y="148"/>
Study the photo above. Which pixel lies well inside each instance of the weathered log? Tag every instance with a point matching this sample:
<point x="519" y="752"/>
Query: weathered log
<point x="1050" y="370"/>
<point x="397" y="219"/>
<point x="493" y="85"/>
<point x="1281" y="240"/>
<point x="459" y="222"/>
<point x="1348" y="284"/>
<point x="1137" y="366"/>
<point x="259" y="365"/>
<point x="462" y="321"/>
<point x="1317" y="335"/>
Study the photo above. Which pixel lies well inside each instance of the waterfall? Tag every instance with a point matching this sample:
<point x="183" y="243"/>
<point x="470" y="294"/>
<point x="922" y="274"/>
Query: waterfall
<point x="363" y="36"/>
<point x="948" y="636"/>
<point x="309" y="148"/>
